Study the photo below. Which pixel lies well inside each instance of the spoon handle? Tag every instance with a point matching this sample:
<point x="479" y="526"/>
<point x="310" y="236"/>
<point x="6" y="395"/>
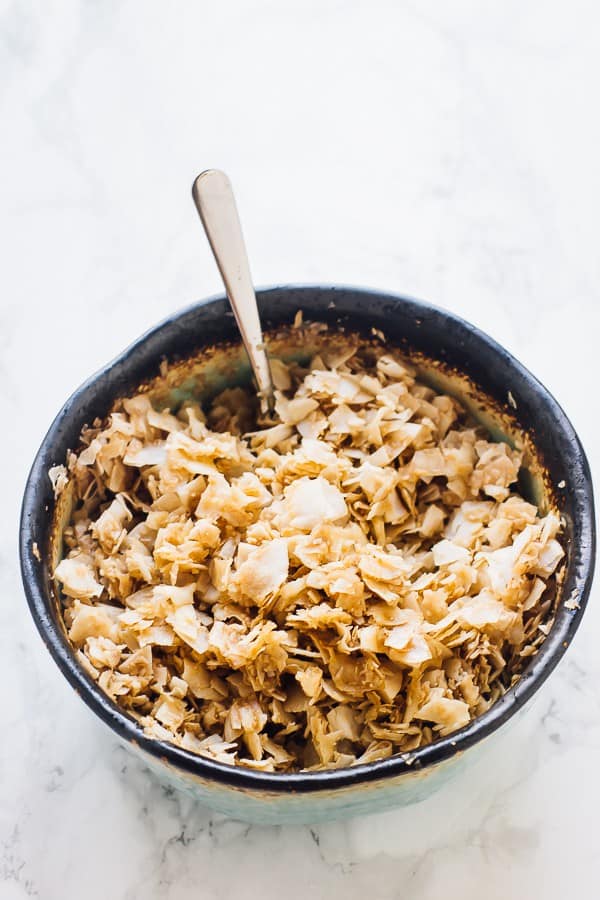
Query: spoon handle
<point x="213" y="196"/>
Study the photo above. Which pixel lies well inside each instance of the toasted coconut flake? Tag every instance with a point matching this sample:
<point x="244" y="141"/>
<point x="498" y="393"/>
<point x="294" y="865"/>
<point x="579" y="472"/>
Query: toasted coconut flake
<point x="446" y="552"/>
<point x="91" y="622"/>
<point x="102" y="652"/>
<point x="451" y="714"/>
<point x="185" y="622"/>
<point x="309" y="502"/>
<point x="170" y="711"/>
<point x="59" y="477"/>
<point x="77" y="577"/>
<point x="139" y="455"/>
<point x="109" y="528"/>
<point x="264" y="571"/>
<point x="310" y="680"/>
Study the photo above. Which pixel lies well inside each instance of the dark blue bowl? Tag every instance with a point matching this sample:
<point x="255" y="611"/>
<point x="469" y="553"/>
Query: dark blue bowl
<point x="472" y="365"/>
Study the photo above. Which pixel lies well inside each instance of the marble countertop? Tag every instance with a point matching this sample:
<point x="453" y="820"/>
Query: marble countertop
<point x="448" y="151"/>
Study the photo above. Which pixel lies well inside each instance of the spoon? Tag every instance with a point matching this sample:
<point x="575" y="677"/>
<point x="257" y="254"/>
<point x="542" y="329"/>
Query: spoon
<point x="213" y="196"/>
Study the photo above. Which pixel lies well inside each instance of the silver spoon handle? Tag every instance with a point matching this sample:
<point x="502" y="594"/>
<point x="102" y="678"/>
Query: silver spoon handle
<point x="213" y="196"/>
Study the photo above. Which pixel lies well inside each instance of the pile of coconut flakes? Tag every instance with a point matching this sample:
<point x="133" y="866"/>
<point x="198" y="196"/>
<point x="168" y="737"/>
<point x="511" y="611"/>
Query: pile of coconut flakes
<point x="348" y="583"/>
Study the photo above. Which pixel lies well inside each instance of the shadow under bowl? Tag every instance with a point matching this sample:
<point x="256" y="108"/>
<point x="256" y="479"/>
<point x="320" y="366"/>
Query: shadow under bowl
<point x="452" y="355"/>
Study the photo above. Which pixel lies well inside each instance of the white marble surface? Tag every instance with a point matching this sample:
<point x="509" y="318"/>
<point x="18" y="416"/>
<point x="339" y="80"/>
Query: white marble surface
<point x="447" y="150"/>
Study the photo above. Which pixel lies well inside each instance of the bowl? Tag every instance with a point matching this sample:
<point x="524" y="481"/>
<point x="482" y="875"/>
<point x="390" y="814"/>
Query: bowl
<point x="451" y="354"/>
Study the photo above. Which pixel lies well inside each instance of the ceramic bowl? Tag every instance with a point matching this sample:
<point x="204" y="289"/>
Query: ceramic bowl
<point x="453" y="355"/>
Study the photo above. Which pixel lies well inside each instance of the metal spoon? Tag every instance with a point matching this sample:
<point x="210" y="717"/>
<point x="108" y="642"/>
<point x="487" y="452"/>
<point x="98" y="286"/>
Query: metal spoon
<point x="213" y="196"/>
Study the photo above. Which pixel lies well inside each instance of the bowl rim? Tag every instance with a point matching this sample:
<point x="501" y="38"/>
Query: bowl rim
<point x="241" y="777"/>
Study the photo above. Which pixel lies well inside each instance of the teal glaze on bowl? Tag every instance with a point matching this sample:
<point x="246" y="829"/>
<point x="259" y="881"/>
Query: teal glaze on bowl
<point x="448" y="350"/>
<point x="265" y="807"/>
<point x="291" y="808"/>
